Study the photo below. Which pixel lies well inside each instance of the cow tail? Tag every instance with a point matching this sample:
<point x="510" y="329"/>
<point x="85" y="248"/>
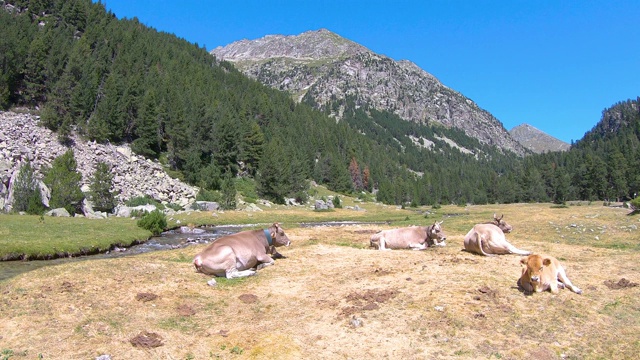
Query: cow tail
<point x="480" y="240"/>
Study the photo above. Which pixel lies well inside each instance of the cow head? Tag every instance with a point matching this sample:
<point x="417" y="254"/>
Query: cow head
<point x="436" y="234"/>
<point x="535" y="266"/>
<point x="497" y="221"/>
<point x="278" y="235"/>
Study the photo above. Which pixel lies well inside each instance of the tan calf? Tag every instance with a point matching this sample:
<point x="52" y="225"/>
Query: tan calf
<point x="542" y="272"/>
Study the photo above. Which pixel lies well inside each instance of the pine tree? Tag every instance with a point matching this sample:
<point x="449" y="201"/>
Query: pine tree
<point x="356" y="177"/>
<point x="26" y="192"/>
<point x="272" y="170"/>
<point x="228" y="192"/>
<point x="101" y="183"/>
<point x="63" y="180"/>
<point x="366" y="178"/>
<point x="252" y="147"/>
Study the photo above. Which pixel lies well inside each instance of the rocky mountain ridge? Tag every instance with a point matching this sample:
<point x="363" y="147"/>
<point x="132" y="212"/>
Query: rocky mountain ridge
<point x="537" y="140"/>
<point x="328" y="69"/>
<point x="21" y="139"/>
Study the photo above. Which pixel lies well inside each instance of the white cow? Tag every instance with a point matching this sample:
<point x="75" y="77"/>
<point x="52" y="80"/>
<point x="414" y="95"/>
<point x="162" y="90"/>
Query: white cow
<point x="489" y="240"/>
<point x="412" y="237"/>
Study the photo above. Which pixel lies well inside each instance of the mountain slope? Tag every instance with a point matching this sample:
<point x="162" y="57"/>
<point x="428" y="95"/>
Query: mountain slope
<point x="323" y="68"/>
<point x="536" y="140"/>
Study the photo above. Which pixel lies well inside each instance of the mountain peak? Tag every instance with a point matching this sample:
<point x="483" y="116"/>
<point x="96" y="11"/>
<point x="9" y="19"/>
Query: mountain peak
<point x="310" y="45"/>
<point x="537" y="140"/>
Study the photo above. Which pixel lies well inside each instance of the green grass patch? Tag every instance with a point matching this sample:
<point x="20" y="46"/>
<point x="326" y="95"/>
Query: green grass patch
<point x="184" y="324"/>
<point x="33" y="237"/>
<point x="350" y="244"/>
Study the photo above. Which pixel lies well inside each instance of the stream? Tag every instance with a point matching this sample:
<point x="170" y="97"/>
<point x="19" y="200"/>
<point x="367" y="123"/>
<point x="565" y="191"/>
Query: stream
<point x="172" y="239"/>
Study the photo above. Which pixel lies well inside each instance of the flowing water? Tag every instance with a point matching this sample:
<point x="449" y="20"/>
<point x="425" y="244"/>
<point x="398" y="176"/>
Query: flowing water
<point x="172" y="239"/>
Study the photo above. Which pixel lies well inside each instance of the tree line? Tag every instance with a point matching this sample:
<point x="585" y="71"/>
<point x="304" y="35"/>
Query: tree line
<point x="119" y="81"/>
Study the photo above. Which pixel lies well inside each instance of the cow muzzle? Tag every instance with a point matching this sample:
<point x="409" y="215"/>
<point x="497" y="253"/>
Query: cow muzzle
<point x="535" y="279"/>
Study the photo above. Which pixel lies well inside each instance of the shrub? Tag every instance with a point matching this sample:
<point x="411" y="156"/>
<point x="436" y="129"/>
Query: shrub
<point x="208" y="195"/>
<point x="337" y="203"/>
<point x="144" y="200"/>
<point x="175" y="207"/>
<point x="26" y="193"/>
<point x="635" y="204"/>
<point x="154" y="221"/>
<point x="247" y="187"/>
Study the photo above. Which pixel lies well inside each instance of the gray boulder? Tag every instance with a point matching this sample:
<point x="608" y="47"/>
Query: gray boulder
<point x="59" y="212"/>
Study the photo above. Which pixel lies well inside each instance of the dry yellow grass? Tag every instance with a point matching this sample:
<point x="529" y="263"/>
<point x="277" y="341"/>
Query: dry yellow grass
<point x="332" y="298"/>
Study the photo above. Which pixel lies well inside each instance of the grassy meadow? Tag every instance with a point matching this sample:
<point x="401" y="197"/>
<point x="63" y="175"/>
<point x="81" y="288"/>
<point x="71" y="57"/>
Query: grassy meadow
<point x="334" y="298"/>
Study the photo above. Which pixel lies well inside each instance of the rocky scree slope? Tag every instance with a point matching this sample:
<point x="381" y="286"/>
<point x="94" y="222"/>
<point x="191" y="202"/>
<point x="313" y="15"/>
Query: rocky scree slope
<point x="328" y="69"/>
<point x="21" y="139"/>
<point x="537" y="140"/>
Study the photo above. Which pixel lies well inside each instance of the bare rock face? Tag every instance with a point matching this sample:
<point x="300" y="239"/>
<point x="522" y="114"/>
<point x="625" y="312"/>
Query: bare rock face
<point x="325" y="67"/>
<point x="21" y="139"/>
<point x="537" y="140"/>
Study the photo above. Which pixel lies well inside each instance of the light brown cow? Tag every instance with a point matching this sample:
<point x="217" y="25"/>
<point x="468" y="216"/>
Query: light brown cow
<point x="489" y="240"/>
<point x="412" y="237"/>
<point x="543" y="272"/>
<point x="506" y="228"/>
<point x="241" y="254"/>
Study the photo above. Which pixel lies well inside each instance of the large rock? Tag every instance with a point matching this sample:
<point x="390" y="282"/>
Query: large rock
<point x="60" y="212"/>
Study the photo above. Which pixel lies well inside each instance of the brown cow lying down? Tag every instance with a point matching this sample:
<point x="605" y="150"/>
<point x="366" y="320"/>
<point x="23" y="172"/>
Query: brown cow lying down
<point x="412" y="237"/>
<point x="542" y="272"/>
<point x="497" y="221"/>
<point x="489" y="240"/>
<point x="240" y="254"/>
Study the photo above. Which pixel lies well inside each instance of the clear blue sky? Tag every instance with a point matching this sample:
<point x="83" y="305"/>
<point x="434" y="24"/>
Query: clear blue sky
<point x="552" y="64"/>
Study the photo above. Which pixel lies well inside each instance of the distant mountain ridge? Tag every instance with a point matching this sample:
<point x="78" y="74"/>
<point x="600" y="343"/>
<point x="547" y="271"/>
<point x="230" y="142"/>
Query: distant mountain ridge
<point x="537" y="140"/>
<point x="325" y="69"/>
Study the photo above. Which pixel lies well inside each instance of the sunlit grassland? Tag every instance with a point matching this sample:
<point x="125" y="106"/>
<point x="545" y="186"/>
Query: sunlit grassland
<point x="447" y="301"/>
<point x="29" y="236"/>
<point x="25" y="236"/>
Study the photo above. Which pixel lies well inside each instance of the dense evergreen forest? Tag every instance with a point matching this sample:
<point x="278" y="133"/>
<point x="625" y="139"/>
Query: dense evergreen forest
<point x="86" y="72"/>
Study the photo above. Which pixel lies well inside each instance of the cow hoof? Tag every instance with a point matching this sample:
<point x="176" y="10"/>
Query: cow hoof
<point x="212" y="282"/>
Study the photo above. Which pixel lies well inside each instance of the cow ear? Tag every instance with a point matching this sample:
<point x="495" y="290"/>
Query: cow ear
<point x="495" y="217"/>
<point x="546" y="262"/>
<point x="523" y="261"/>
<point x="276" y="225"/>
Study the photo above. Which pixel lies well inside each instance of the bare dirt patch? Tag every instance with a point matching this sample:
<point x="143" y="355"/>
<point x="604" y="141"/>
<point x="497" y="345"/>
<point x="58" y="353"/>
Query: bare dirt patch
<point x="621" y="284"/>
<point x="367" y="300"/>
<point x="144" y="297"/>
<point x="185" y="310"/>
<point x="248" y="298"/>
<point x="146" y="340"/>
